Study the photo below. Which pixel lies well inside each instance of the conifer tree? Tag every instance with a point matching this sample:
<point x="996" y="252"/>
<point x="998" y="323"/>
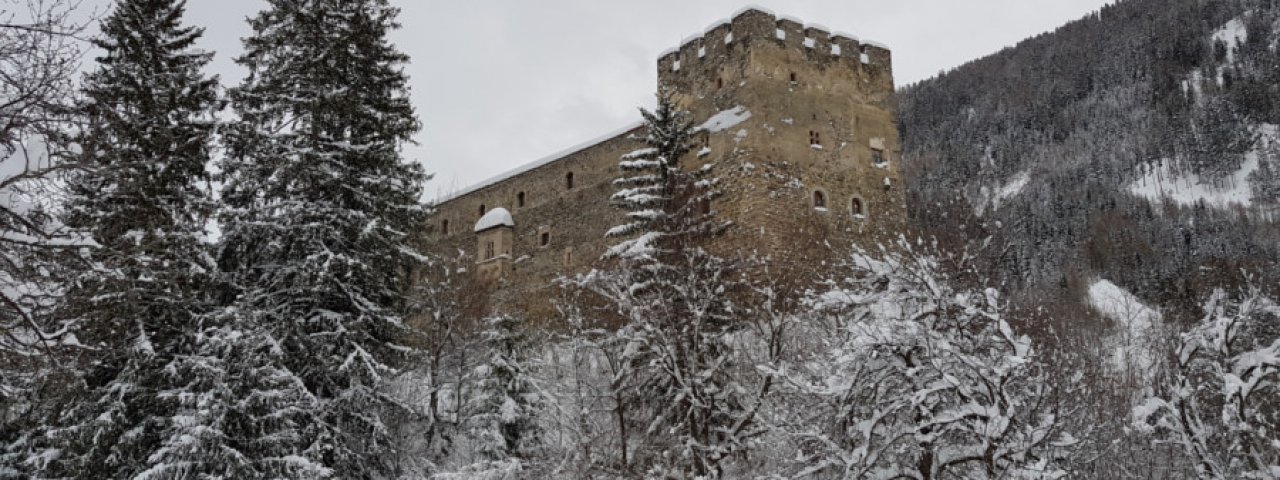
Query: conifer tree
<point x="320" y="206"/>
<point x="505" y="401"/>
<point x="675" y="384"/>
<point x="145" y="201"/>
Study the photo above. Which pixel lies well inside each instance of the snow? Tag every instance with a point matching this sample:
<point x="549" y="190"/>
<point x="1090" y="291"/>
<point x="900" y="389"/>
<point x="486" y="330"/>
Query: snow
<point x="1132" y="345"/>
<point x="866" y="59"/>
<point x="847" y="35"/>
<point x="873" y="43"/>
<point x="1166" y="183"/>
<point x="782" y="35"/>
<point x="540" y="162"/>
<point x="809" y="42"/>
<point x="498" y="217"/>
<point x="836" y="50"/>
<point x="718" y="23"/>
<point x="727" y="119"/>
<point x="993" y="198"/>
<point x="1232" y="34"/>
<point x="749" y="8"/>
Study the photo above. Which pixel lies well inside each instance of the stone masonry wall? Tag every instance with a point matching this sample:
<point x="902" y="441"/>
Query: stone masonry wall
<point x="814" y="108"/>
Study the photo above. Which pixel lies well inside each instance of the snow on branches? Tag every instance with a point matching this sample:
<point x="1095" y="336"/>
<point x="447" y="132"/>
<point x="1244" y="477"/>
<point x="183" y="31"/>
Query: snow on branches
<point x="909" y="376"/>
<point x="1220" y="400"/>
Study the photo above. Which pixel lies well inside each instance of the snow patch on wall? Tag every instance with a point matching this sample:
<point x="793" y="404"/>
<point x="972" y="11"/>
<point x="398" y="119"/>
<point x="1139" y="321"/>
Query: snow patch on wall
<point x="1165" y="182"/>
<point x="727" y="119"/>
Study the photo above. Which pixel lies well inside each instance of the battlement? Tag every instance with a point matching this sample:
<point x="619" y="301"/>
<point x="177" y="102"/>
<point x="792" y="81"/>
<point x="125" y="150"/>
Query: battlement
<point x="757" y="26"/>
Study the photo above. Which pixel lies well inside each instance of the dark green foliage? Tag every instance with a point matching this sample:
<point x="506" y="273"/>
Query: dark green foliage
<point x="145" y="200"/>
<point x="503" y="410"/>
<point x="320" y="206"/>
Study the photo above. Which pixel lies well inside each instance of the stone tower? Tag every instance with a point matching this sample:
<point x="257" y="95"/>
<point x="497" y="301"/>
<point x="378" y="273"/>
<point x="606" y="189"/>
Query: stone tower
<point x="800" y="127"/>
<point x="803" y="130"/>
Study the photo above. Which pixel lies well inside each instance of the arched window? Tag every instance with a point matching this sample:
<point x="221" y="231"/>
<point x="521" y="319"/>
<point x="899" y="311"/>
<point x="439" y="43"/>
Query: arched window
<point x="483" y="209"/>
<point x="857" y="208"/>
<point x="568" y="181"/>
<point x="520" y="199"/>
<point x="444" y="227"/>
<point x="819" y="199"/>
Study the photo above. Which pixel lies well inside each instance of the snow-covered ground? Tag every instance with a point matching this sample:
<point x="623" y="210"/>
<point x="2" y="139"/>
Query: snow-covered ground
<point x="1165" y="182"/>
<point x="1137" y="328"/>
<point x="1232" y="34"/>
<point x="993" y="197"/>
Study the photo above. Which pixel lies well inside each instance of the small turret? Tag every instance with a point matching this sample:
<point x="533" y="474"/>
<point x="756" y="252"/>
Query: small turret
<point x="495" y="239"/>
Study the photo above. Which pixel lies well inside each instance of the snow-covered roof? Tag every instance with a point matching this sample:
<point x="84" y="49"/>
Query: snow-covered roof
<point x="750" y="8"/>
<point x="873" y="43"/>
<point x="539" y="162"/>
<point x="498" y="217"/>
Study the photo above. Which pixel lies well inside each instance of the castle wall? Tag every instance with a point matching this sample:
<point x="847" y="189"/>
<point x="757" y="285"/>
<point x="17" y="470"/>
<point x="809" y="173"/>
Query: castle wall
<point x="821" y="112"/>
<point x="574" y="220"/>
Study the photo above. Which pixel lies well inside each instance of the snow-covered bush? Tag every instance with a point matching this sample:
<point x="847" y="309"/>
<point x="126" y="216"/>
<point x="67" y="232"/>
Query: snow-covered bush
<point x="902" y="374"/>
<point x="1221" y="403"/>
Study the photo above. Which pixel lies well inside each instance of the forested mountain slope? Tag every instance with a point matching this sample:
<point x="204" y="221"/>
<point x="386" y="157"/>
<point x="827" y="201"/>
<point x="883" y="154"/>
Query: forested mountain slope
<point x="1137" y="144"/>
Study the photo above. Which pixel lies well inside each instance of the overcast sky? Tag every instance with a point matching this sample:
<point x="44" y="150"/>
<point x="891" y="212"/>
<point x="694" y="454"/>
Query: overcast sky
<point x="500" y="83"/>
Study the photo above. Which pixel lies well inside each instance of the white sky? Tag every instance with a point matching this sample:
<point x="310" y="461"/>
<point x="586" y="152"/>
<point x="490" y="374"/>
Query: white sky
<point x="500" y="83"/>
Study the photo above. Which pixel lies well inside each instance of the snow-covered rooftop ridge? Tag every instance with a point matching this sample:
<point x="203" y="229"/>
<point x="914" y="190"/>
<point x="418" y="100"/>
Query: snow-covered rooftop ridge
<point x="539" y="162"/>
<point x="498" y="217"/>
<point x="721" y="34"/>
<point x="873" y="43"/>
<point x="850" y="36"/>
<point x="718" y="23"/>
<point x="749" y="8"/>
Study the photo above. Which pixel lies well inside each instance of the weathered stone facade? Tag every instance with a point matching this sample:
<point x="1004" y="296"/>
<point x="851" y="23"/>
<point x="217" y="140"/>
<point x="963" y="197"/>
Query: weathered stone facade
<point x="804" y="138"/>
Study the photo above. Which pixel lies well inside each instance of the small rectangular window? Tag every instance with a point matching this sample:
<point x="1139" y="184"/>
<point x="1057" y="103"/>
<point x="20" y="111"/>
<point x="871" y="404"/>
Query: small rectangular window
<point x="877" y="156"/>
<point x="545" y="239"/>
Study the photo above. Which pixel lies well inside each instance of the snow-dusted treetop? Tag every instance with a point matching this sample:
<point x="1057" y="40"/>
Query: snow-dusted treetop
<point x="498" y="217"/>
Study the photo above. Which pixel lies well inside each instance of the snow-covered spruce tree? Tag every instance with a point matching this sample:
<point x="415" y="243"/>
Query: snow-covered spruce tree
<point x="1222" y="400"/>
<point x="319" y="209"/>
<point x="145" y="200"/>
<point x="676" y="389"/>
<point x="502" y="400"/>
<point x="904" y="375"/>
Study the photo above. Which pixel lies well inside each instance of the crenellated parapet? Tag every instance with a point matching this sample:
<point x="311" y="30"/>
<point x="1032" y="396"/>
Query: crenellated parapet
<point x="731" y="40"/>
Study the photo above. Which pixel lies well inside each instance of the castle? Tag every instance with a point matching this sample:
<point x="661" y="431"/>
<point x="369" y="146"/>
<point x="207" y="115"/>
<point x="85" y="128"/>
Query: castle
<point x="800" y="126"/>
